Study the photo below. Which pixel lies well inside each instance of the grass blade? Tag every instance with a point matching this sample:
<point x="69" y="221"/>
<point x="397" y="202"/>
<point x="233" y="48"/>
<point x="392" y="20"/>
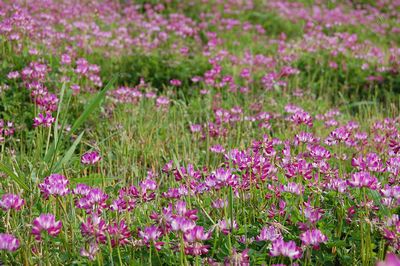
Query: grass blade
<point x="92" y="105"/>
<point x="13" y="176"/>
<point x="68" y="155"/>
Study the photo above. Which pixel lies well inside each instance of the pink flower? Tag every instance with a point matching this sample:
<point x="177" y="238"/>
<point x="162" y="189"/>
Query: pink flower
<point x="182" y="224"/>
<point x="302" y="117"/>
<point x="390" y="260"/>
<point x="238" y="259"/>
<point x="94" y="201"/>
<point x="8" y="242"/>
<point x="11" y="201"/>
<point x="176" y="82"/>
<point x="150" y="235"/>
<point x="90" y="158"/>
<point x="43" y="120"/>
<point x="54" y="184"/>
<point x="46" y="222"/>
<point x="196" y="234"/>
<point x="363" y="179"/>
<point x="94" y="227"/>
<point x="313" y="237"/>
<point x="286" y="249"/>
<point x="119" y="233"/>
<point x="269" y="234"/>
<point x="13" y="75"/>
<point x="91" y="252"/>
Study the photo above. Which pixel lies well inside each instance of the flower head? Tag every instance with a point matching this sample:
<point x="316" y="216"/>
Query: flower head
<point x="46" y="222"/>
<point x="313" y="238"/>
<point x="11" y="201"/>
<point x="363" y="179"/>
<point x="286" y="249"/>
<point x="90" y="157"/>
<point x="54" y="184"/>
<point x="8" y="242"/>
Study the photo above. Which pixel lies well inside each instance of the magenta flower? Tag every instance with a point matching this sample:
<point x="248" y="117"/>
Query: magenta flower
<point x="176" y="82"/>
<point x="319" y="153"/>
<point x="217" y="149"/>
<point x="8" y="242"/>
<point x="225" y="226"/>
<point x="91" y="251"/>
<point x="237" y="258"/>
<point x="390" y="260"/>
<point x="43" y="120"/>
<point x="95" y="227"/>
<point x="313" y="215"/>
<point x="119" y="233"/>
<point x="150" y="235"/>
<point x="363" y="179"/>
<point x="94" y="201"/>
<point x="46" y="222"/>
<point x="11" y="201"/>
<point x="313" y="237"/>
<point x="90" y="158"/>
<point x="302" y="117"/>
<point x="162" y="101"/>
<point x="269" y="234"/>
<point x="286" y="249"/>
<point x="293" y="188"/>
<point x="54" y="184"/>
<point x="196" y="234"/>
<point x="182" y="224"/>
<point x="81" y="189"/>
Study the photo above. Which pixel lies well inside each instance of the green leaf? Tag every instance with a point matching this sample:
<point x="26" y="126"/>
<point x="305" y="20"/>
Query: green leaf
<point x="92" y="179"/>
<point x="14" y="176"/>
<point x="91" y="106"/>
<point x="68" y="154"/>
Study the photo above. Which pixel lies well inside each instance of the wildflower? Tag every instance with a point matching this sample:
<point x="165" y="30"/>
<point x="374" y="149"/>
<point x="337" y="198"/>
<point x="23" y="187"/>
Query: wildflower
<point x="293" y="188"/>
<point x="65" y="59"/>
<point x="8" y="242"/>
<point x="217" y="149"/>
<point x="13" y="75"/>
<point x="196" y="234"/>
<point x="119" y="233"/>
<point x="269" y="234"/>
<point x="313" y="237"/>
<point x="301" y="117"/>
<point x="219" y="203"/>
<point x="91" y="252"/>
<point x="319" y="153"/>
<point x="238" y="259"/>
<point x="48" y="223"/>
<point x="226" y="226"/>
<point x="312" y="214"/>
<point x="11" y="201"/>
<point x="182" y="224"/>
<point x="363" y="179"/>
<point x="176" y="82"/>
<point x="390" y="260"/>
<point x="54" y="184"/>
<point x="95" y="227"/>
<point x="94" y="201"/>
<point x="286" y="249"/>
<point x="150" y="235"/>
<point x="162" y="101"/>
<point x="90" y="158"/>
<point x="81" y="189"/>
<point x="168" y="167"/>
<point x="43" y="120"/>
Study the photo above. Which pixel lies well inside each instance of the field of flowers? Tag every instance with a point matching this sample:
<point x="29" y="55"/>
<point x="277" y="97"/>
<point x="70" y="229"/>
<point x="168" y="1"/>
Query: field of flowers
<point x="199" y="132"/>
